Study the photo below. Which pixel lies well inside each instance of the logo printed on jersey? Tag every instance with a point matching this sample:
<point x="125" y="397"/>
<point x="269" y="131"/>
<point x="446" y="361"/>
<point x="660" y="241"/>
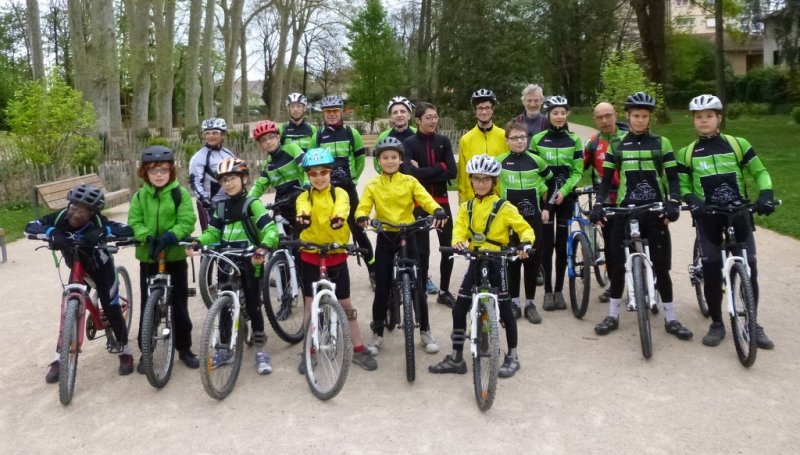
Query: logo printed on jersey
<point x="526" y="208"/>
<point x="642" y="192"/>
<point x="724" y="195"/>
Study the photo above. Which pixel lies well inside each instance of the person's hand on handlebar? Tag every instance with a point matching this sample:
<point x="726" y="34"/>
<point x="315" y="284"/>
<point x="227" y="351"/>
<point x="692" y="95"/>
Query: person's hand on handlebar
<point x="525" y="251"/>
<point x="461" y="245"/>
<point x="363" y="221"/>
<point x="337" y="222"/>
<point x="439" y="218"/>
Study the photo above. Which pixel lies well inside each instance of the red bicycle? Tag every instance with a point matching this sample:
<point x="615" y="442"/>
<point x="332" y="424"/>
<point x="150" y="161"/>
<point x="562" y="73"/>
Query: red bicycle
<point x="73" y="312"/>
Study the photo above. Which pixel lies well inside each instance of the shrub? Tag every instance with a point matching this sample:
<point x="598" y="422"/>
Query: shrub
<point x="158" y="140"/>
<point x="622" y="75"/>
<point x="796" y="114"/>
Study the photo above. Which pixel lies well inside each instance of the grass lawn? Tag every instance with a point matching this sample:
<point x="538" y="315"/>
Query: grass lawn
<point x="14" y="217"/>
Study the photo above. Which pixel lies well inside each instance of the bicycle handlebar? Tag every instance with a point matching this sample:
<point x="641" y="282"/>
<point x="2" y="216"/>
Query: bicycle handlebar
<point x="507" y="252"/>
<point x="420" y="224"/>
<point x="634" y="210"/>
<point x="118" y="242"/>
<point x="589" y="189"/>
<point x="324" y="248"/>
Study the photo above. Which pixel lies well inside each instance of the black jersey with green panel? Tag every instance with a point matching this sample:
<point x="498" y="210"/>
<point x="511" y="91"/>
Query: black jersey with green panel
<point x="562" y="150"/>
<point x="347" y="148"/>
<point x="303" y="134"/>
<point x="522" y="180"/>
<point x="713" y="171"/>
<point x="647" y="169"/>
<point x="282" y="170"/>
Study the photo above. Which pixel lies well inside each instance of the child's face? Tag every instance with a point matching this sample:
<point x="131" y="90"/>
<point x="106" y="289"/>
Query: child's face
<point x="297" y="111"/>
<point x="320" y="177"/>
<point x="269" y="142"/>
<point x="481" y="184"/>
<point x="389" y="161"/>
<point x="232" y="184"/>
<point x="158" y="174"/>
<point x="558" y="117"/>
<point x="78" y="214"/>
<point x="517" y="140"/>
<point x="639" y="119"/>
<point x="706" y="122"/>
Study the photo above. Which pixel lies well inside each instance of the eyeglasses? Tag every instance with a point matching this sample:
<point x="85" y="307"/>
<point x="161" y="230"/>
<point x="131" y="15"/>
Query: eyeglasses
<point x="484" y="108"/>
<point x="517" y="138"/>
<point x="322" y="172"/>
<point x="228" y="178"/>
<point x="430" y="117"/>
<point x="477" y="179"/>
<point x="268" y="136"/>
<point x="158" y="171"/>
<point x="212" y="133"/>
<point x="331" y="111"/>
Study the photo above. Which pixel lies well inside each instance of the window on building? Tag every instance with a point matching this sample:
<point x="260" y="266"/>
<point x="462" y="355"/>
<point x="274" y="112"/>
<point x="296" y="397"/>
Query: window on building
<point x="681" y="2"/>
<point x="710" y="22"/>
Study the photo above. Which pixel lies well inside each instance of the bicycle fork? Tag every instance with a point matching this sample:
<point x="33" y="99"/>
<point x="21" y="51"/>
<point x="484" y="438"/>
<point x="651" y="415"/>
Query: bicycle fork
<point x="314" y="326"/>
<point x="479" y="326"/>
<point x="728" y="262"/>
<point x="648" y="276"/>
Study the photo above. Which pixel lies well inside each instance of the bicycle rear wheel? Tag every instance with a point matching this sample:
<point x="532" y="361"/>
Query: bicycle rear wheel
<point x="642" y="306"/>
<point x="696" y="278"/>
<point x="208" y="279"/>
<point x="328" y="362"/>
<point x="580" y="280"/>
<point x="125" y="295"/>
<point x="220" y="353"/>
<point x="743" y="319"/>
<point x="68" y="359"/>
<point x="599" y="256"/>
<point x="158" y="339"/>
<point x="408" y="326"/>
<point x="284" y="308"/>
<point x="486" y="364"/>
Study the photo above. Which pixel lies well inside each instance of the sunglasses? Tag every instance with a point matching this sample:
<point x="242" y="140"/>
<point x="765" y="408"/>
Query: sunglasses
<point x="322" y="173"/>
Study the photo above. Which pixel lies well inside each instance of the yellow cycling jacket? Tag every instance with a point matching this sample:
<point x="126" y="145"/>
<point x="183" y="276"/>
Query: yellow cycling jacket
<point x="507" y="217"/>
<point x="321" y="207"/>
<point x="393" y="197"/>
<point x="491" y="142"/>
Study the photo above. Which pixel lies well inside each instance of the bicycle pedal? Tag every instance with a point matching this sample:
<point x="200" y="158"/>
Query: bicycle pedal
<point x="192" y="292"/>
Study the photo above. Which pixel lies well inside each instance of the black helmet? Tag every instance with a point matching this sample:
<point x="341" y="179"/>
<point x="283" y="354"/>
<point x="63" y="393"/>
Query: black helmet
<point x="481" y="95"/>
<point x="157" y="153"/>
<point x="87" y="195"/>
<point x="389" y="143"/>
<point x="640" y="99"/>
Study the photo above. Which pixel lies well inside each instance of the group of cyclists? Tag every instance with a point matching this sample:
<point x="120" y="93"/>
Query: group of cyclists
<point x="515" y="187"/>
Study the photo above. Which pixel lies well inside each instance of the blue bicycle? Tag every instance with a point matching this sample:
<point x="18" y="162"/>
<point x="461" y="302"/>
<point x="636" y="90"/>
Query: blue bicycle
<point x="584" y="253"/>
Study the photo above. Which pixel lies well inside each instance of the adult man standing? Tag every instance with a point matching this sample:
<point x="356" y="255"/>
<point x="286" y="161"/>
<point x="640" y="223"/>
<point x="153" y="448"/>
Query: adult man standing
<point x="203" y="168"/>
<point x="485" y="138"/>
<point x="533" y="118"/>
<point x="399" y="109"/>
<point x="297" y="130"/>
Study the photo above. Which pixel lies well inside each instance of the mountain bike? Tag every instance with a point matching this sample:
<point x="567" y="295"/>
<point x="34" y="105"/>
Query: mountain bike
<point x="76" y="301"/>
<point x="484" y="324"/>
<point x="327" y="347"/>
<point x="404" y="292"/>
<point x="580" y="259"/>
<point x="696" y="276"/>
<point x="596" y="239"/>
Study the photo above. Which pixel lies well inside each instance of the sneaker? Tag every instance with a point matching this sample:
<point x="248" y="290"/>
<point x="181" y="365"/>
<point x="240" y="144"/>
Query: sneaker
<point x="761" y="338"/>
<point x="549" y="302"/>
<point x="140" y="367"/>
<point x="560" y="303"/>
<point x="605" y="296"/>
<point x="676" y="328"/>
<point x="125" y="364"/>
<point x="429" y="343"/>
<point x="509" y="367"/>
<point x="301" y="368"/>
<point x="516" y="311"/>
<point x="540" y="278"/>
<point x="448" y="365"/>
<point x="431" y="288"/>
<point x="372" y="280"/>
<point x="53" y="372"/>
<point x="365" y="360"/>
<point x="374" y="344"/>
<point x="608" y="325"/>
<point x="222" y="357"/>
<point x="446" y="298"/>
<point x="715" y="335"/>
<point x="263" y="363"/>
<point x="189" y="359"/>
<point x="533" y="316"/>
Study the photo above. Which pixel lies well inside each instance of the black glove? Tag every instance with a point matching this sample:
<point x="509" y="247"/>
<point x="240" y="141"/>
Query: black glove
<point x="672" y="210"/>
<point x="161" y="243"/>
<point x="439" y="215"/>
<point x="337" y="222"/>
<point x="696" y="206"/>
<point x="361" y="219"/>
<point x="57" y="240"/>
<point x="93" y="237"/>
<point x="765" y="203"/>
<point x="206" y="203"/>
<point x="596" y="214"/>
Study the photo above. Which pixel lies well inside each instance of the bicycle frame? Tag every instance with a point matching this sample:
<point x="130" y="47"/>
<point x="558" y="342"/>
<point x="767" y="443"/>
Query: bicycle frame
<point x="728" y="251"/>
<point x="582" y="229"/>
<point x="321" y="288"/>
<point x="231" y="287"/>
<point x="482" y="295"/>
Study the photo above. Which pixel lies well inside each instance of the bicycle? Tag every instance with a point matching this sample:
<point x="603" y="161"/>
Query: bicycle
<point x="327" y="347"/>
<point x="696" y="276"/>
<point x="404" y="290"/>
<point x="484" y="325"/>
<point x="596" y="239"/>
<point x="74" y="306"/>
<point x="580" y="256"/>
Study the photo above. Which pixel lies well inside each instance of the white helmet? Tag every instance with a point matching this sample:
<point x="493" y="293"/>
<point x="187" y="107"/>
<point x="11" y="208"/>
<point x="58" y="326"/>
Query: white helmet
<point x="483" y="164"/>
<point x="400" y="100"/>
<point x="703" y="102"/>
<point x="215" y="124"/>
<point x="296" y="98"/>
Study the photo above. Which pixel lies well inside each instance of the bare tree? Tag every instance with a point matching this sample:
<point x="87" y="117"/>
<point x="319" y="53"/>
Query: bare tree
<point x="284" y="10"/>
<point x="35" y="39"/>
<point x="266" y="25"/>
<point x="244" y="93"/>
<point x="164" y="28"/>
<point x="138" y="19"/>
<point x="302" y="11"/>
<point x="327" y="66"/>
<point x="231" y="34"/>
<point x="191" y="105"/>
<point x="206" y="70"/>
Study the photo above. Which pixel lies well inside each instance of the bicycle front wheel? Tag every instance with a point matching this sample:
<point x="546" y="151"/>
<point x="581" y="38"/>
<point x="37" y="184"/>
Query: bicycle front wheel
<point x="408" y="325"/>
<point x="486" y="364"/>
<point x="743" y="319"/>
<point x="327" y="360"/>
<point x="125" y="295"/>
<point x="208" y="280"/>
<point x="284" y="305"/>
<point x="642" y="306"/>
<point x="599" y="257"/>
<point x="696" y="278"/>
<point x="220" y="352"/>
<point x="580" y="281"/>
<point x="158" y="339"/>
<point x="68" y="358"/>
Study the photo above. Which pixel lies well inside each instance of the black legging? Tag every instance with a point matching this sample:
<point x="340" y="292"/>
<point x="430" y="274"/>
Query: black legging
<point x="424" y="247"/>
<point x="182" y="323"/>
<point x="558" y="241"/>
<point x="531" y="264"/>
<point x="359" y="234"/>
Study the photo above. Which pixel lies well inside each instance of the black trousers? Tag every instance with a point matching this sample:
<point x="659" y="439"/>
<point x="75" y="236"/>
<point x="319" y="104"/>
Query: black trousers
<point x="531" y="264"/>
<point x="424" y="246"/>
<point x="359" y="235"/>
<point x="182" y="323"/>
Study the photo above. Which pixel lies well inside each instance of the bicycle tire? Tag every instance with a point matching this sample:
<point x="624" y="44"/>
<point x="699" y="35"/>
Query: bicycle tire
<point x="393" y="309"/>
<point x="125" y="295"/>
<point x="158" y="353"/>
<point x="599" y="257"/>
<point x="328" y="364"/>
<point x="207" y="281"/>
<point x="408" y="326"/>
<point x="696" y="278"/>
<point x="486" y="364"/>
<point x="68" y="358"/>
<point x="581" y="280"/>
<point x="743" y="319"/>
<point x="219" y="381"/>
<point x="284" y="310"/>
<point x="642" y="306"/>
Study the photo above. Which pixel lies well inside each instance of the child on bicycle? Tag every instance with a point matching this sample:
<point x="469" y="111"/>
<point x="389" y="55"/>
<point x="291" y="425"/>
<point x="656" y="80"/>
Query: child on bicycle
<point x="484" y="222"/>
<point x="711" y="171"/>
<point x="82" y="222"/>
<point x="394" y="195"/>
<point x="241" y="222"/>
<point x="322" y="213"/>
<point x="160" y="214"/>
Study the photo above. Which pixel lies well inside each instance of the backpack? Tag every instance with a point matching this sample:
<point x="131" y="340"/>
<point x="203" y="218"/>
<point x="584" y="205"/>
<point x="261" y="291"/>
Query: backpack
<point x="249" y="228"/>
<point x="498" y="204"/>
<point x="733" y="141"/>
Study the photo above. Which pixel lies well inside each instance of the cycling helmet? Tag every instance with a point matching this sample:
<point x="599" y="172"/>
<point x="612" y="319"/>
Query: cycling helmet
<point x="157" y="153"/>
<point x="389" y="143"/>
<point x="555" y="101"/>
<point x="703" y="102"/>
<point x="332" y="102"/>
<point x="400" y="100"/>
<point x="88" y="195"/>
<point x="296" y="98"/>
<point x="265" y="127"/>
<point x="483" y="164"/>
<point x="232" y="166"/>
<point x="215" y="124"/>
<point x="481" y="95"/>
<point x="317" y="157"/>
<point x="640" y="99"/>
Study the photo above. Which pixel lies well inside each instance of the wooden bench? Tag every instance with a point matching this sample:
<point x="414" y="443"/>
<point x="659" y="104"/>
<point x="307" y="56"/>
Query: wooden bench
<point x="54" y="194"/>
<point x="3" y="244"/>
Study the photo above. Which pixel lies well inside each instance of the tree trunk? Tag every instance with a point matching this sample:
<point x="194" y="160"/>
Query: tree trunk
<point x="206" y="70"/>
<point x="35" y="39"/>
<point x="651" y="19"/>
<point x="191" y="106"/>
<point x="138" y="25"/>
<point x="244" y="99"/>
<point x="164" y="26"/>
<point x="231" y="32"/>
<point x="284" y="9"/>
<point x="719" y="54"/>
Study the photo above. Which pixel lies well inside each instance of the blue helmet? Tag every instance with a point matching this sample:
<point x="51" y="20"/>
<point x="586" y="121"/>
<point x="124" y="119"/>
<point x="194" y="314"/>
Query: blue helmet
<point x="317" y="157"/>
